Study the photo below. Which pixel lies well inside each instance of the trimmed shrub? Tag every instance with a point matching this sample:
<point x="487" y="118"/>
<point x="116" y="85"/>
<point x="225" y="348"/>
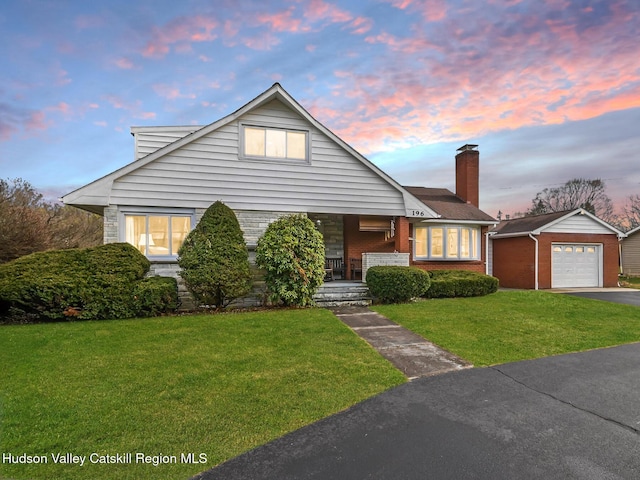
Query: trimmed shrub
<point x="154" y="296"/>
<point x="85" y="284"/>
<point x="291" y="251"/>
<point x="214" y="260"/>
<point x="460" y="283"/>
<point x="395" y="284"/>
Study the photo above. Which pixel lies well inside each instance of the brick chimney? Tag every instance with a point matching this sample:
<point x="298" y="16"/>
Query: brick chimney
<point x="468" y="174"/>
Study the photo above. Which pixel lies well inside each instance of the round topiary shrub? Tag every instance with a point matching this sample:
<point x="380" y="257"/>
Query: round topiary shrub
<point x="214" y="260"/>
<point x="460" y="283"/>
<point x="394" y="284"/>
<point x="291" y="252"/>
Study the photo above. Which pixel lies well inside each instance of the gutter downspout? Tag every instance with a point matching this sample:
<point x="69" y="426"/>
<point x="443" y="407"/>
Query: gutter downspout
<point x="621" y="265"/>
<point x="486" y="252"/>
<point x="535" y="267"/>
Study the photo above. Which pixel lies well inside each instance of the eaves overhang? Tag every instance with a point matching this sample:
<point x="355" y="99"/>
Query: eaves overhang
<point x="458" y="222"/>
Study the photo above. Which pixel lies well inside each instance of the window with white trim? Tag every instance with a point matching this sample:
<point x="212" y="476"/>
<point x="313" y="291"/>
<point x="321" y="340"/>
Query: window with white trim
<point x="446" y="242"/>
<point x="275" y="143"/>
<point x="157" y="235"/>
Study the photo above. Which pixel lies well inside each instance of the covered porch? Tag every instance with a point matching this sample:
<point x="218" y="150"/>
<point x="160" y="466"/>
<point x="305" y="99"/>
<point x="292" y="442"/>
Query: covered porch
<point x="347" y="237"/>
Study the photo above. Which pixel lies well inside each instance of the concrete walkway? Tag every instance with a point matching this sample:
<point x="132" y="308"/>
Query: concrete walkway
<point x="409" y="352"/>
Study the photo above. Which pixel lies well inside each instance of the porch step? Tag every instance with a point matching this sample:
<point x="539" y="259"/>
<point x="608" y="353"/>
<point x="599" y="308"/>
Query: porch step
<point x="338" y="293"/>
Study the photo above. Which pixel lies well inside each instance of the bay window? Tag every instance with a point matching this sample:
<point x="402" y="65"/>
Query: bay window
<point x="446" y="242"/>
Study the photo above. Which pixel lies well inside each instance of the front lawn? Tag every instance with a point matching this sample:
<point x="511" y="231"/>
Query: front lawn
<point x="631" y="282"/>
<point x="508" y="326"/>
<point x="216" y="385"/>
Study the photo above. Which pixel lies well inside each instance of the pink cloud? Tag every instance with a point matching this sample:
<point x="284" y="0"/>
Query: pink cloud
<point x="406" y="44"/>
<point x="37" y="121"/>
<point x="361" y="25"/>
<point x="6" y="131"/>
<point x="60" y="76"/>
<point x="282" y="21"/>
<point x="543" y="72"/>
<point x="134" y="108"/>
<point x="264" y="41"/>
<point x="123" y="63"/>
<point x="321" y="10"/>
<point x="431" y="10"/>
<point x="62" y="108"/>
<point x="401" y="4"/>
<point x="230" y="29"/>
<point x="179" y="33"/>
<point x="170" y="93"/>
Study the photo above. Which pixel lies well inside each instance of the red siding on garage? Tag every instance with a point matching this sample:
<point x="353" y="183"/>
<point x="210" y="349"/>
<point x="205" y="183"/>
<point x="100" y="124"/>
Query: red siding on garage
<point x="513" y="258"/>
<point x="610" y="263"/>
<point x="513" y="262"/>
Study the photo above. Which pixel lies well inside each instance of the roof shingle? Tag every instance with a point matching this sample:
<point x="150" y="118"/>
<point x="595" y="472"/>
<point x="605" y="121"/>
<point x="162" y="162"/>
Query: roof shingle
<point x="448" y="204"/>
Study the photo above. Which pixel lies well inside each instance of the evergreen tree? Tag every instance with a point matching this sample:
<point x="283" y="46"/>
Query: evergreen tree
<point x="214" y="260"/>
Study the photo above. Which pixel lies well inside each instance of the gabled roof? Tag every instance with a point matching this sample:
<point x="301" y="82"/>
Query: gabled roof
<point x="449" y="206"/>
<point x="536" y="224"/>
<point x="95" y="196"/>
<point x="633" y="231"/>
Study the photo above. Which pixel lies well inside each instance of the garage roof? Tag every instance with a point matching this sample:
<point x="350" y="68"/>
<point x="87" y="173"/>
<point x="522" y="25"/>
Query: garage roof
<point x="536" y="224"/>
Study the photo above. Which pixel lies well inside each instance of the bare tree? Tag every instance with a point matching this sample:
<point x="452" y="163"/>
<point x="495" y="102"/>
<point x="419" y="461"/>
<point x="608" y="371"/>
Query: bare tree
<point x="74" y="228"/>
<point x="23" y="220"/>
<point x="577" y="193"/>
<point x="630" y="217"/>
<point x="28" y="223"/>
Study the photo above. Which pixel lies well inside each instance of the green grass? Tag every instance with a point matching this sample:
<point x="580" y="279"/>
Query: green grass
<point x="217" y="385"/>
<point x="516" y="325"/>
<point x="631" y="282"/>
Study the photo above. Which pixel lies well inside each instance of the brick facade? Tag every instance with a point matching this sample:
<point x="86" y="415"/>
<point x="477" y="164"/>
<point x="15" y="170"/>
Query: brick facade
<point x="356" y="242"/>
<point x="514" y="258"/>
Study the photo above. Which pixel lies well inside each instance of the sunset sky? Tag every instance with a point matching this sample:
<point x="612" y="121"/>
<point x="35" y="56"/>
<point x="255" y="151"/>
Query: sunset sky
<point x="549" y="89"/>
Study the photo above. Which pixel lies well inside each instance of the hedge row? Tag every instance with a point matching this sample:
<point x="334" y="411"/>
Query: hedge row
<point x="89" y="284"/>
<point x="460" y="283"/>
<point x="393" y="284"/>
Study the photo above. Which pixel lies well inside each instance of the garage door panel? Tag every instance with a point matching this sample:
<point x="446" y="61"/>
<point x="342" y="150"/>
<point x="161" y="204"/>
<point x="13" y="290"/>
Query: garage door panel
<point x="575" y="265"/>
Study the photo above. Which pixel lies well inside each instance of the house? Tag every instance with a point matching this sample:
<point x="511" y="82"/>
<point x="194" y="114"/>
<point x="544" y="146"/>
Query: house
<point x="555" y="250"/>
<point x="271" y="158"/>
<point x="630" y="253"/>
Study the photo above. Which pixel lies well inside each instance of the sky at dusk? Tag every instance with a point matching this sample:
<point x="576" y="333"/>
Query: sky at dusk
<point x="548" y="89"/>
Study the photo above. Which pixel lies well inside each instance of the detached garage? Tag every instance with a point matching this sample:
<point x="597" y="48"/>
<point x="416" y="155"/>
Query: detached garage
<point x="556" y="250"/>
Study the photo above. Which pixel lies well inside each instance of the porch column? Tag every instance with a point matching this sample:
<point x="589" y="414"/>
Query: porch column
<point x="402" y="235"/>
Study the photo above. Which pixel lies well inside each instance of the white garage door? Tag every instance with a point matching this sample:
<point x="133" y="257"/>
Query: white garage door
<point x="575" y="265"/>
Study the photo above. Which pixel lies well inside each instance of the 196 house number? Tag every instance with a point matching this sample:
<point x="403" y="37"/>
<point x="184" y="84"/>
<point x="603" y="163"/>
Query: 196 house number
<point x="417" y="213"/>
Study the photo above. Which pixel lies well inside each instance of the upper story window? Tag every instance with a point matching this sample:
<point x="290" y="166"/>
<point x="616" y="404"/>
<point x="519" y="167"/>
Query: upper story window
<point x="446" y="242"/>
<point x="275" y="143"/>
<point x="157" y="235"/>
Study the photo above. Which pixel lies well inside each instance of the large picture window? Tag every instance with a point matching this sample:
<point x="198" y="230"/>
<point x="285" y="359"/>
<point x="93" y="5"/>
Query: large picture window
<point x="444" y="242"/>
<point x="275" y="143"/>
<point x="157" y="235"/>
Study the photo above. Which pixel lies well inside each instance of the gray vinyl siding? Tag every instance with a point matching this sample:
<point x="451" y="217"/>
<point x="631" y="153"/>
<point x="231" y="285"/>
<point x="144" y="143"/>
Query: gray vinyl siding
<point x="631" y="255"/>
<point x="578" y="224"/>
<point x="210" y="168"/>
<point x="154" y="138"/>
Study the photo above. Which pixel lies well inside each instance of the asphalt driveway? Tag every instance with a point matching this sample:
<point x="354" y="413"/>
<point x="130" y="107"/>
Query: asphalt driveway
<point x="629" y="296"/>
<point x="569" y="416"/>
